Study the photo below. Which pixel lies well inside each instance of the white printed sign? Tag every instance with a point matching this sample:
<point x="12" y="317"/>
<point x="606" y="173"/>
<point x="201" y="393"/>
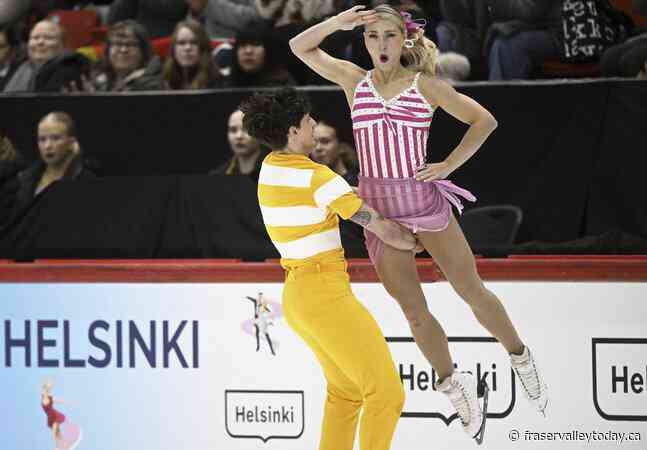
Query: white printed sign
<point x="264" y="414"/>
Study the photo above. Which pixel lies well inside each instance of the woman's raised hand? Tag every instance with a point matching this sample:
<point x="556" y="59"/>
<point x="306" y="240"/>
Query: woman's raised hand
<point x="355" y="16"/>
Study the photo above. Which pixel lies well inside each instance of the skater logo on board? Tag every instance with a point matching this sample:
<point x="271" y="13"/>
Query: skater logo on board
<point x="65" y="433"/>
<point x="266" y="313"/>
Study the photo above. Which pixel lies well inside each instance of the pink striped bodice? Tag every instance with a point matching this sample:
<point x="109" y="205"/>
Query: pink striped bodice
<point x="390" y="135"/>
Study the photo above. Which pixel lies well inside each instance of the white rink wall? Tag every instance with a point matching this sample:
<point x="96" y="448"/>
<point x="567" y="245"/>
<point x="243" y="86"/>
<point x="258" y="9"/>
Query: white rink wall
<point x="167" y="366"/>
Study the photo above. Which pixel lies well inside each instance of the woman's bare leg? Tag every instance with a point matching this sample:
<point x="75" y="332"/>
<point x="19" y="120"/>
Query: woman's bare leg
<point x="399" y="275"/>
<point x="452" y="253"/>
<point x="56" y="433"/>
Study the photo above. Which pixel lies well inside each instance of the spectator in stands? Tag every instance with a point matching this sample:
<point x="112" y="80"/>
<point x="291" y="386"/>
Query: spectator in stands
<point x="522" y="36"/>
<point x="60" y="158"/>
<point x="516" y="35"/>
<point x="628" y="58"/>
<point x="247" y="152"/>
<point x="11" y="55"/>
<point x="293" y="17"/>
<point x="12" y="10"/>
<point x="299" y="11"/>
<point x="157" y="16"/>
<point x="7" y="151"/>
<point x="452" y="66"/>
<point x="49" y="67"/>
<point x="11" y="163"/>
<point x="255" y="62"/>
<point x="462" y="31"/>
<point x="190" y="65"/>
<point x="129" y="64"/>
<point x="226" y="18"/>
<point x="339" y="156"/>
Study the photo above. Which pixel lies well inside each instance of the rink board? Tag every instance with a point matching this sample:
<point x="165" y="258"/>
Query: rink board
<point x="167" y="366"/>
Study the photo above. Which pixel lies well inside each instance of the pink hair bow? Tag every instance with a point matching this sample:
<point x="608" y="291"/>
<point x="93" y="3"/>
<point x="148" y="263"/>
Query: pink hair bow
<point x="413" y="25"/>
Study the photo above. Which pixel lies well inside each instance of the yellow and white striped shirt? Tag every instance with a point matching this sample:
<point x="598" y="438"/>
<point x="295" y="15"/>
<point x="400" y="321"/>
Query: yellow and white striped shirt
<point x="300" y="201"/>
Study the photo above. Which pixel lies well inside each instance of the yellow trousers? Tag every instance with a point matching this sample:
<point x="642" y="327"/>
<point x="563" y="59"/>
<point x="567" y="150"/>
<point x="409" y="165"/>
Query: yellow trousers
<point x="319" y="305"/>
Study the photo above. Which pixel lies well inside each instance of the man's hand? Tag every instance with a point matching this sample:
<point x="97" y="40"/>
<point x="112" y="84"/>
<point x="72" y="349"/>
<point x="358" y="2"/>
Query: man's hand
<point x="388" y="231"/>
<point x="394" y="234"/>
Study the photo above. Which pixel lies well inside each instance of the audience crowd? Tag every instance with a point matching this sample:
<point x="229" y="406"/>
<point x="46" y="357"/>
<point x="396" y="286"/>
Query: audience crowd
<point x="210" y="44"/>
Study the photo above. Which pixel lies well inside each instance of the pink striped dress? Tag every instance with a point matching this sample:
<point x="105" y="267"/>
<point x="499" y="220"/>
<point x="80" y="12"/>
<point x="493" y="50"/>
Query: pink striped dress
<point x="391" y="140"/>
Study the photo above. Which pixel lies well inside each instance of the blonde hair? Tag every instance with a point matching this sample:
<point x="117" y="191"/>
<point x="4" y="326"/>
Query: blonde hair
<point x="48" y="385"/>
<point x="422" y="57"/>
<point x="7" y="150"/>
<point x="452" y="66"/>
<point x="63" y="118"/>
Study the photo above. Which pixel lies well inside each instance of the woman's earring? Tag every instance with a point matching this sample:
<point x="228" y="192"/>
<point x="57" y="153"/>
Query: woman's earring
<point x="409" y="43"/>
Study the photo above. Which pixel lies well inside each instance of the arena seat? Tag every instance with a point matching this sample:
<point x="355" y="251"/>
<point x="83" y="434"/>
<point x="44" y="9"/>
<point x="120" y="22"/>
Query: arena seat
<point x="492" y="225"/>
<point x="79" y="25"/>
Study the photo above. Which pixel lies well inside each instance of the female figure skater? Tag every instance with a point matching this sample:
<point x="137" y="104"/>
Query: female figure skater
<point x="391" y="109"/>
<point x="55" y="420"/>
<point x="262" y="321"/>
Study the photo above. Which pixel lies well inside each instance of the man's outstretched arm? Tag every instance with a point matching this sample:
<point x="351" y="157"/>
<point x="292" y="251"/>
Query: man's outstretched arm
<point x="388" y="231"/>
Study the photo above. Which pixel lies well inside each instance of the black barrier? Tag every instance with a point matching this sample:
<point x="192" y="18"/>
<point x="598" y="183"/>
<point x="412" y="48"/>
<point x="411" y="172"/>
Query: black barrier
<point x="142" y="217"/>
<point x="570" y="154"/>
<point x="173" y="216"/>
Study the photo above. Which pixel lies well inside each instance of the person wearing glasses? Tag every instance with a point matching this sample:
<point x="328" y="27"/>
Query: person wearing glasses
<point x="129" y="63"/>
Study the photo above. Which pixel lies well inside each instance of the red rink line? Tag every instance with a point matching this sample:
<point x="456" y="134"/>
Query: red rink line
<point x="517" y="268"/>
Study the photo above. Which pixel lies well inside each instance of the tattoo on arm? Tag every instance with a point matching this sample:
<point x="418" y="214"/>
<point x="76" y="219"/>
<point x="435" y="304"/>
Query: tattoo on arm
<point x="365" y="215"/>
<point x="362" y="218"/>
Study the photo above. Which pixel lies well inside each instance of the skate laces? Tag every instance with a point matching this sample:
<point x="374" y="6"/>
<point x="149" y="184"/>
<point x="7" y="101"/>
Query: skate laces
<point x="527" y="373"/>
<point x="459" y="398"/>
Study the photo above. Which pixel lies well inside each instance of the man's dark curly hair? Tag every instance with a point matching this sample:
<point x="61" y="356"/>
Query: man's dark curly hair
<point x="269" y="116"/>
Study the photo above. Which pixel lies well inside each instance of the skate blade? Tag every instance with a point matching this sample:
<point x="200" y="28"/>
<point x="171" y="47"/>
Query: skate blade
<point x="485" y="392"/>
<point x="543" y="410"/>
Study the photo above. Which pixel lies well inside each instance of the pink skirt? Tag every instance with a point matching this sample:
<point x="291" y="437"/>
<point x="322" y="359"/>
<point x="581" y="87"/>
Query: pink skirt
<point x="418" y="205"/>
